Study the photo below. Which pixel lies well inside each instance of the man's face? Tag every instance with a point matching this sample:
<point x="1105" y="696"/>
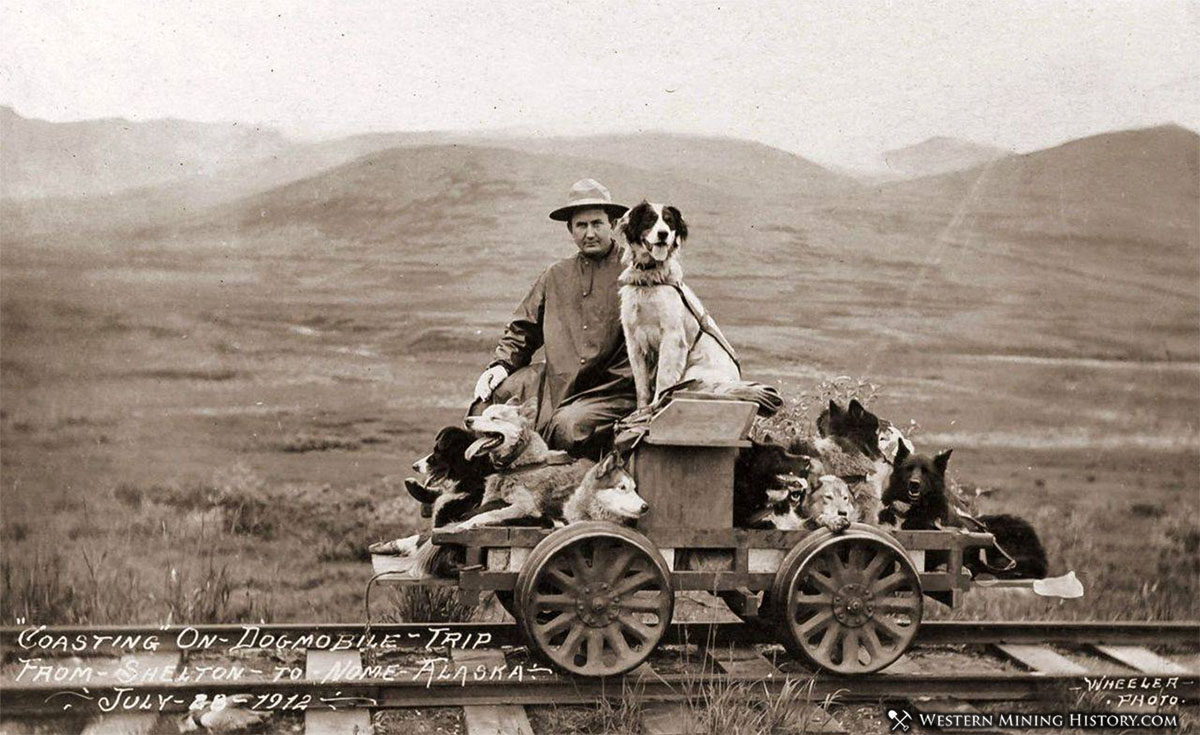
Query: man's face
<point x="592" y="232"/>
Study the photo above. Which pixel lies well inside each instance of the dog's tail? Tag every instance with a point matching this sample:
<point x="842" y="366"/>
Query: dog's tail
<point x="766" y="396"/>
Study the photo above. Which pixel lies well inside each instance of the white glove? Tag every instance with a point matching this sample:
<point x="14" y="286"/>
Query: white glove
<point x="487" y="382"/>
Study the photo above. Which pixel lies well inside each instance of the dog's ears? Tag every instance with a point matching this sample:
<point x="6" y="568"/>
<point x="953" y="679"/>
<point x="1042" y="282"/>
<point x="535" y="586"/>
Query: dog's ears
<point x="834" y="409"/>
<point x="940" y="461"/>
<point x="856" y="409"/>
<point x="633" y="225"/>
<point x="681" y="231"/>
<point x="902" y="454"/>
<point x="529" y="409"/>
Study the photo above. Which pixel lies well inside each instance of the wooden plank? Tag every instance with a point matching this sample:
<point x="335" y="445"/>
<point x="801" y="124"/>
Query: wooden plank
<point x="743" y="662"/>
<point x="1040" y="659"/>
<point x="335" y="666"/>
<point x="668" y="718"/>
<point x="498" y="719"/>
<point x="135" y="723"/>
<point x="702" y="423"/>
<point x="741" y="602"/>
<point x="1142" y="659"/>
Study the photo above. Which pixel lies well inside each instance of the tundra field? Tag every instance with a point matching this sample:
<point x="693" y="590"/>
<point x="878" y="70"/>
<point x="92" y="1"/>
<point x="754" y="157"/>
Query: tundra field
<point x="209" y="402"/>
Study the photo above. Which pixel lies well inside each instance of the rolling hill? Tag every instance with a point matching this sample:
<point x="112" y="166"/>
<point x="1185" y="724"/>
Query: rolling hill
<point x="940" y="155"/>
<point x="97" y="157"/>
<point x="1135" y="185"/>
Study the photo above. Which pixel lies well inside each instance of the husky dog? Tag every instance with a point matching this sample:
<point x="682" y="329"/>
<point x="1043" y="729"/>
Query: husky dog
<point x="531" y="481"/>
<point x="829" y="504"/>
<point x="606" y="493"/>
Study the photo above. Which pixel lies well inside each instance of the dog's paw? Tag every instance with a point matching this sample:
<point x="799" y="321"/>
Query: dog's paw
<point x="836" y="524"/>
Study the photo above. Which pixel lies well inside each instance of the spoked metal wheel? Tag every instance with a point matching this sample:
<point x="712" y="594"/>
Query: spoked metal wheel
<point x="849" y="603"/>
<point x="594" y="599"/>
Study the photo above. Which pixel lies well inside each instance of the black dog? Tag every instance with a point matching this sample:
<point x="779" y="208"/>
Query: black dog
<point x="1018" y="553"/>
<point x="854" y="429"/>
<point x="454" y="484"/>
<point x="769" y="482"/>
<point x="916" y="494"/>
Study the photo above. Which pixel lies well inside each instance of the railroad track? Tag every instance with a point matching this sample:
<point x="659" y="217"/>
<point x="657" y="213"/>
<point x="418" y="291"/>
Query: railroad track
<point x="335" y="676"/>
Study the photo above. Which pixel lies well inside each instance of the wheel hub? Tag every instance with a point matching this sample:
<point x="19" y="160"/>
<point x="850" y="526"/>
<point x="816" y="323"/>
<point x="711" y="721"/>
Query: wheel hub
<point x="596" y="605"/>
<point x="853" y="605"/>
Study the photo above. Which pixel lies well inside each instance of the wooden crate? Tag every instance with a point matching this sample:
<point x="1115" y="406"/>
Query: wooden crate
<point x="684" y="464"/>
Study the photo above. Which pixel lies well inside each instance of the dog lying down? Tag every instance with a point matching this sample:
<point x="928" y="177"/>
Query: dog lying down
<point x="524" y="483"/>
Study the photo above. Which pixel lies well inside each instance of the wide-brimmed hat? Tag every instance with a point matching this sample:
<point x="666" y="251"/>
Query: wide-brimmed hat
<point x="588" y="194"/>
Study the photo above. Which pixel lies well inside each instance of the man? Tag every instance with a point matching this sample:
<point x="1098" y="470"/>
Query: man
<point x="572" y="312"/>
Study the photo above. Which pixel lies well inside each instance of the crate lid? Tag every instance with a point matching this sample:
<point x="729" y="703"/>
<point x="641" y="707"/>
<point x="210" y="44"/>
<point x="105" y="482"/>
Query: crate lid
<point x="702" y="420"/>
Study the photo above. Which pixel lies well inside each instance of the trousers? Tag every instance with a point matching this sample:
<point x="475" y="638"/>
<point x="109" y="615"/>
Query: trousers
<point x="582" y="426"/>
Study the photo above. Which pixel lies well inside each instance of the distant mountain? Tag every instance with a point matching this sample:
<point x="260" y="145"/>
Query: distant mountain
<point x="1140" y="185"/>
<point x="939" y="155"/>
<point x="406" y="193"/>
<point x="747" y="167"/>
<point x="91" y="157"/>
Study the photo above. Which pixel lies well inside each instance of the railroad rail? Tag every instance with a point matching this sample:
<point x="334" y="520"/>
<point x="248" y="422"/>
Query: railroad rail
<point x="335" y="675"/>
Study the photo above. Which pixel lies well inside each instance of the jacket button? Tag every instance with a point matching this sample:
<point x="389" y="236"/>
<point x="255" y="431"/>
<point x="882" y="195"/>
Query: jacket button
<point x="582" y="361"/>
<point x="585" y="326"/>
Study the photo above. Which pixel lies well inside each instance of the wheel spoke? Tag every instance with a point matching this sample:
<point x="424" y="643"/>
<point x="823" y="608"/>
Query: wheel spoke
<point x="828" y="639"/>
<point x="570" y="644"/>
<point x="876" y="565"/>
<point x="631" y="584"/>
<point x="595" y="647"/>
<point x="889" y="583"/>
<point x="850" y="648"/>
<point x="617" y="642"/>
<point x="641" y="604"/>
<point x="824" y="583"/>
<point x="858" y="554"/>
<point x="803" y="600"/>
<point x="619" y="564"/>
<point x="815" y="623"/>
<point x="870" y="640"/>
<point x="579" y="565"/>
<point x="635" y="626"/>
<point x="892" y="629"/>
<point x="835" y="565"/>
<point x="898" y="604"/>
<point x="557" y="624"/>
<point x="555" y="602"/>
<point x="564" y="582"/>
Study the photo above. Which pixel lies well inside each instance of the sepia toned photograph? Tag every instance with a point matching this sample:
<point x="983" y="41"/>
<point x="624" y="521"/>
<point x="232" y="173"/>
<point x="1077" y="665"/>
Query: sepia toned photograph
<point x="658" y="368"/>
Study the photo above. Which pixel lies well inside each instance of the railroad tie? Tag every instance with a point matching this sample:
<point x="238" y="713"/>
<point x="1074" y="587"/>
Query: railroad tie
<point x="1142" y="659"/>
<point x="1040" y="659"/>
<point x="743" y="662"/>
<point x="135" y="723"/>
<point x="490" y="719"/>
<point x="318" y="666"/>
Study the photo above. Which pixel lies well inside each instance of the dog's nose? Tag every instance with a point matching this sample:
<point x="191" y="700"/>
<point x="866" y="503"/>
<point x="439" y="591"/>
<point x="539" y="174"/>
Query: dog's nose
<point x="662" y="235"/>
<point x="645" y="507"/>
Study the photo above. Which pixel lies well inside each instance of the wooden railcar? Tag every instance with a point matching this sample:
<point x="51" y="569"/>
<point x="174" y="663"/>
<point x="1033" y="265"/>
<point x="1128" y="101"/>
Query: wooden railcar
<point x="595" y="598"/>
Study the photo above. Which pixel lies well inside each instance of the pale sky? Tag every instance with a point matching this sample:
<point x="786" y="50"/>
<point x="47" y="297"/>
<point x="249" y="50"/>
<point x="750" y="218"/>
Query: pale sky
<point x="834" y="81"/>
